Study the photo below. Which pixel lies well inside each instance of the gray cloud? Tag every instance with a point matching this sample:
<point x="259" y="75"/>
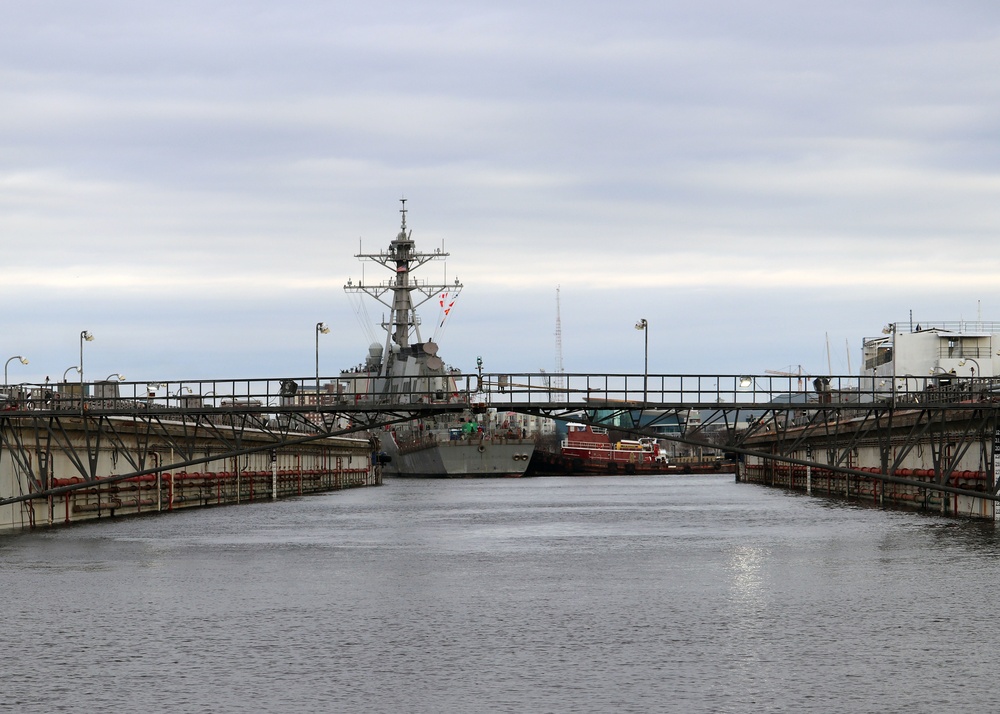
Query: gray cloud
<point x="748" y="174"/>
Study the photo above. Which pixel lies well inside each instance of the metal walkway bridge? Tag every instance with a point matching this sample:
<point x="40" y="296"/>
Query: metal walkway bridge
<point x="736" y="413"/>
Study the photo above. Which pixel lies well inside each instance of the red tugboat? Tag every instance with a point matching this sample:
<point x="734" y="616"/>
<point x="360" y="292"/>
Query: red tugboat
<point x="589" y="450"/>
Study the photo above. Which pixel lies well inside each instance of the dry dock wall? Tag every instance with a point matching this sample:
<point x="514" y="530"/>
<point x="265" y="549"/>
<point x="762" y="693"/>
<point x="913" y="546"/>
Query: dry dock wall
<point x="818" y="481"/>
<point x="951" y="455"/>
<point x="324" y="465"/>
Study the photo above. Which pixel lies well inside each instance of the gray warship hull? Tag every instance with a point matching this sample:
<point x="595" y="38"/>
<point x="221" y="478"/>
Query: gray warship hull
<point x="486" y="458"/>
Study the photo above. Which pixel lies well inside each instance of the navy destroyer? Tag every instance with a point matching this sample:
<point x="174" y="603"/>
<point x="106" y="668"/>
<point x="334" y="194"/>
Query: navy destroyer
<point x="406" y="369"/>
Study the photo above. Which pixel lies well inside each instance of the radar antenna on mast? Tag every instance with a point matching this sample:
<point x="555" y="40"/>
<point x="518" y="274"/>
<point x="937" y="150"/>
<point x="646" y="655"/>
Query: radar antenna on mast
<point x="402" y="294"/>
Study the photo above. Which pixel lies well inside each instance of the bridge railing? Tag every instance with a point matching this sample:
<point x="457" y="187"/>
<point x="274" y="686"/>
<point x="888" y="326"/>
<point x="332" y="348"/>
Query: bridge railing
<point x="750" y="390"/>
<point x="362" y="391"/>
<point x="256" y="395"/>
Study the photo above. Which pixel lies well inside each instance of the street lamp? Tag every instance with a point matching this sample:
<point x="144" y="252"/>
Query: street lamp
<point x="321" y="329"/>
<point x="114" y="374"/>
<point x="68" y="369"/>
<point x="23" y="361"/>
<point x="969" y="359"/>
<point x="84" y="337"/>
<point x="178" y="395"/>
<point x="644" y="326"/>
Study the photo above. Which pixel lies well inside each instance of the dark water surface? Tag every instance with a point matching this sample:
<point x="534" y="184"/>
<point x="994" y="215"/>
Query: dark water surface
<point x="633" y="594"/>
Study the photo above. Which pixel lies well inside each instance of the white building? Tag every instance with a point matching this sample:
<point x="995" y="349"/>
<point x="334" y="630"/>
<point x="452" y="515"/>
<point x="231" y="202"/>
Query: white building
<point x="911" y="358"/>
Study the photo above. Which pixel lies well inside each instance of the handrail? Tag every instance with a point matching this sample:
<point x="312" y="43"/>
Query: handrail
<point x="364" y="392"/>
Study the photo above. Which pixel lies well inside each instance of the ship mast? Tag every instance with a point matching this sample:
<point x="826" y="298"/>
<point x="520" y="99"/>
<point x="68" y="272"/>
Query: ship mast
<point x="402" y="293"/>
<point x="403" y="314"/>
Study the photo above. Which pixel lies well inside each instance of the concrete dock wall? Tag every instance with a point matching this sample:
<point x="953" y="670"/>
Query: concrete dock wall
<point x="952" y="452"/>
<point x="818" y="481"/>
<point x="324" y="465"/>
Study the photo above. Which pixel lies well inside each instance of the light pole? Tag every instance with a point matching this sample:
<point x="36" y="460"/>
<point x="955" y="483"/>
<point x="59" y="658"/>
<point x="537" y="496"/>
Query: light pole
<point x="962" y="364"/>
<point x="68" y="369"/>
<point x="114" y="374"/>
<point x="84" y="337"/>
<point x="644" y="326"/>
<point x="321" y="329"/>
<point x="749" y="382"/>
<point x="23" y="361"/>
<point x="179" y="395"/>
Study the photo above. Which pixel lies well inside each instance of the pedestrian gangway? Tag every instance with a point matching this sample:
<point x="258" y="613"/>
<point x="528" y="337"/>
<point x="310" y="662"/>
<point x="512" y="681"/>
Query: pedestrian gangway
<point x="775" y="417"/>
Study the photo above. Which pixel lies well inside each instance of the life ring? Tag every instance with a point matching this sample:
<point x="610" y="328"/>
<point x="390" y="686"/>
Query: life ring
<point x="481" y="448"/>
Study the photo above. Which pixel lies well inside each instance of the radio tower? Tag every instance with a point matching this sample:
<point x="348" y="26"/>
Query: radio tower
<point x="559" y="381"/>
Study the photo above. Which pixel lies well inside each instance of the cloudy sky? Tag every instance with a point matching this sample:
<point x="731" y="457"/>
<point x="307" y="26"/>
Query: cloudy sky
<point x="189" y="181"/>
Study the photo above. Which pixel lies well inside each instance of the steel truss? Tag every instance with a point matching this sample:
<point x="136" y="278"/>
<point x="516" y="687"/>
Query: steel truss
<point x="763" y="417"/>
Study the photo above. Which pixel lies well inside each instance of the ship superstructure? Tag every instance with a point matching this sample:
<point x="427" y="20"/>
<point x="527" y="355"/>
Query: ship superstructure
<point x="406" y="368"/>
<point x="907" y="355"/>
<point x="403" y="340"/>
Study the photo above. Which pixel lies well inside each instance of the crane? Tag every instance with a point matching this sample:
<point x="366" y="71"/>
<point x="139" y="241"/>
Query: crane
<point x="800" y="374"/>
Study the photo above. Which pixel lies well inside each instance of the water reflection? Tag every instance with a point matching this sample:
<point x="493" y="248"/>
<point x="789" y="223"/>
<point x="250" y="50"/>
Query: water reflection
<point x="693" y="595"/>
<point x="746" y="566"/>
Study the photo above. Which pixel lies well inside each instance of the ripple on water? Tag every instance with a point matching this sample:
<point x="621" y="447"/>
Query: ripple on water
<point x="596" y="594"/>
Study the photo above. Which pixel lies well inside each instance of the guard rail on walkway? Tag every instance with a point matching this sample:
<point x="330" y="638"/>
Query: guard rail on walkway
<point x="364" y="393"/>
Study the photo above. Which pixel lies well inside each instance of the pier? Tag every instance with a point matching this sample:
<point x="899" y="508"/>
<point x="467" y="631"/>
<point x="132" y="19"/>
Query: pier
<point x="130" y="447"/>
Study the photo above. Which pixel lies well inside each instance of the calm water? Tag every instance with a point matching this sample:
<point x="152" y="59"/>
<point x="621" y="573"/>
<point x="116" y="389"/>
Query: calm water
<point x="636" y="594"/>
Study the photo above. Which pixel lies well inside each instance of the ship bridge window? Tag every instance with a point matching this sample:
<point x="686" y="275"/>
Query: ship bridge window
<point x="882" y="356"/>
